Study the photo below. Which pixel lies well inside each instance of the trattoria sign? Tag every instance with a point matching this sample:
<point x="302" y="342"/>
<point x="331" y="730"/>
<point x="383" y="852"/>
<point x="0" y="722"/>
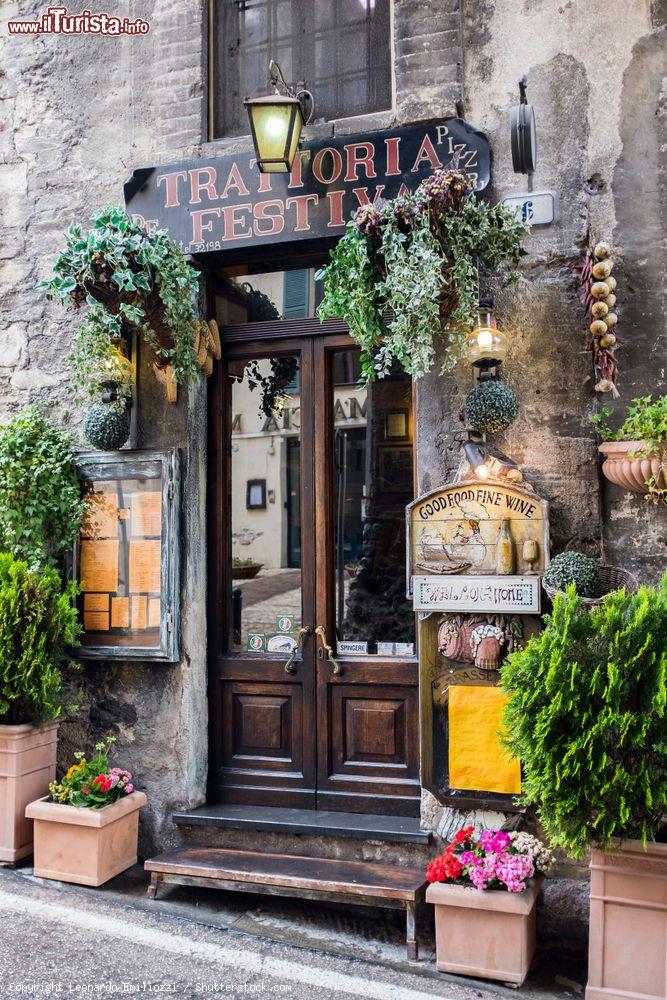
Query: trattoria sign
<point x="224" y="202"/>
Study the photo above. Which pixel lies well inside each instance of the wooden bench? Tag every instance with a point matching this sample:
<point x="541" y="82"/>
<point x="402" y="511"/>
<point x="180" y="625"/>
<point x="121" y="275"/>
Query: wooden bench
<point x="326" y="879"/>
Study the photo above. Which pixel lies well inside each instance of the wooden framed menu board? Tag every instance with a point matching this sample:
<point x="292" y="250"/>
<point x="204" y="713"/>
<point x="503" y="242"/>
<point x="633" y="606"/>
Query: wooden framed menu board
<point x="127" y="555"/>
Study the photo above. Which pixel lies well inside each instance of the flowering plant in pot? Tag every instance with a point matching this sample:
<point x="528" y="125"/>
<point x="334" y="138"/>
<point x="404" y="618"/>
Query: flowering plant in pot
<point x="635" y="456"/>
<point x="86" y="829"/>
<point x="587" y="717"/>
<point x="485" y="890"/>
<point x="417" y="256"/>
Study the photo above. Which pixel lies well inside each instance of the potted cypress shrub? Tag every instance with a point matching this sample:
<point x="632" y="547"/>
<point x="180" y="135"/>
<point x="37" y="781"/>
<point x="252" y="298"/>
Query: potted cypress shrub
<point x="38" y="622"/>
<point x="485" y="892"/>
<point x="587" y="718"/>
<point x="86" y="829"/>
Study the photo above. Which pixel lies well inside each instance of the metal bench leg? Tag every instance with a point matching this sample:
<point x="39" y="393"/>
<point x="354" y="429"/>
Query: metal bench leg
<point x="151" y="891"/>
<point x="411" y="932"/>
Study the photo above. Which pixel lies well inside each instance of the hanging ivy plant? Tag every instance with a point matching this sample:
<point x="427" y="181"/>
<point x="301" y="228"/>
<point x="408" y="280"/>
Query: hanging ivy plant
<point x="129" y="280"/>
<point x="417" y="256"/>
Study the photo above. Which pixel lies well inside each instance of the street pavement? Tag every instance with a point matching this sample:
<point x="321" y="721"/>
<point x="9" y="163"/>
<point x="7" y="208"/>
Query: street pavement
<point x="58" y="942"/>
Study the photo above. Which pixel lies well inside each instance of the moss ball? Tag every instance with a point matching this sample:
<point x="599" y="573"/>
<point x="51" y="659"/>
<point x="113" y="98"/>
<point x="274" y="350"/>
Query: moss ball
<point x="576" y="568"/>
<point x="106" y="427"/>
<point x="491" y="407"/>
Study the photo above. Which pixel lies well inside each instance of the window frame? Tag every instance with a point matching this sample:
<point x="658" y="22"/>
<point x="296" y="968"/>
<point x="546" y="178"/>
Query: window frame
<point x="210" y="81"/>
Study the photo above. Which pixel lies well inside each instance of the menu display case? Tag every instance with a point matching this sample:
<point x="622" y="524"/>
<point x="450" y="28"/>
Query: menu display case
<point x="128" y="555"/>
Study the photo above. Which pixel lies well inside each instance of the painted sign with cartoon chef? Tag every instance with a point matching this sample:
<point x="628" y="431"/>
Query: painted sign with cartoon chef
<point x="477" y="528"/>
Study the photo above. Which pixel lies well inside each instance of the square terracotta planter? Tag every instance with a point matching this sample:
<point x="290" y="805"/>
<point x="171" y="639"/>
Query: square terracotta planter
<point x="627" y="952"/>
<point x="485" y="933"/>
<point x="27" y="767"/>
<point x="86" y="846"/>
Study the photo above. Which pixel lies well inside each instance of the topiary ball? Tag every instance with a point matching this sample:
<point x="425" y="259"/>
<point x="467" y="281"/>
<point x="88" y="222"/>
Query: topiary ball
<point x="106" y="428"/>
<point x="576" y="568"/>
<point x="491" y="407"/>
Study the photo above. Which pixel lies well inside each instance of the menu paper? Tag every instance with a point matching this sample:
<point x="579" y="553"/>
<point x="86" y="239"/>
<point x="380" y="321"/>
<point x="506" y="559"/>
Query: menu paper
<point x="139" y="607"/>
<point x="96" y="621"/>
<point x="120" y="612"/>
<point x="96" y="602"/>
<point x="146" y="513"/>
<point x="154" y="613"/>
<point x="99" y="565"/>
<point x="145" y="566"/>
<point x="100" y="518"/>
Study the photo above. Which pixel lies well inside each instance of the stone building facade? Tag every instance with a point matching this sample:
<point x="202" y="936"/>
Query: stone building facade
<point x="81" y="112"/>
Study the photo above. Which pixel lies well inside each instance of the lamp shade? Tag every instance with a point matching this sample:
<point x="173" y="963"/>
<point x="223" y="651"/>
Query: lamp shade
<point x="486" y="344"/>
<point x="276" y="122"/>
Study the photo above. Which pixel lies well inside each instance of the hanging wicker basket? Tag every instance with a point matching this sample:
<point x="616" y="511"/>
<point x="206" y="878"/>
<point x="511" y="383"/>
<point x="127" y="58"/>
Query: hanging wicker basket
<point x="611" y="578"/>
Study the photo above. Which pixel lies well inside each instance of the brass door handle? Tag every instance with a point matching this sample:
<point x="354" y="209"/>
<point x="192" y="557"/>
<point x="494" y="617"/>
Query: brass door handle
<point x="290" y="666"/>
<point x="327" y="650"/>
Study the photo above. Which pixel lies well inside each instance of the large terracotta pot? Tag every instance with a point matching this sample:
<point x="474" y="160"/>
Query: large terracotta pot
<point x="631" y="464"/>
<point x="628" y="937"/>
<point x="27" y="767"/>
<point x="86" y="846"/>
<point x="484" y="933"/>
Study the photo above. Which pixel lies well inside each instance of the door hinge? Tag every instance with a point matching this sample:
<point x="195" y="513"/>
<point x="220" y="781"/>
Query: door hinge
<point x="170" y="489"/>
<point x="169" y="621"/>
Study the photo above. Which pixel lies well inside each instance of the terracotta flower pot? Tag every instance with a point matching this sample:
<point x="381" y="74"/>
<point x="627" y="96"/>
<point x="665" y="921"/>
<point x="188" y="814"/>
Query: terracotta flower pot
<point x="86" y="846"/>
<point x="628" y="939"/>
<point x="630" y="464"/>
<point x="485" y="933"/>
<point x="27" y="767"/>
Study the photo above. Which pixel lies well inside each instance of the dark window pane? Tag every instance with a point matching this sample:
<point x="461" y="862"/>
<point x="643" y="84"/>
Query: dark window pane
<point x="340" y="50"/>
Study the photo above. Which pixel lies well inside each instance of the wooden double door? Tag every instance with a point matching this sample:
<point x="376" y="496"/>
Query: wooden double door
<point x="311" y="489"/>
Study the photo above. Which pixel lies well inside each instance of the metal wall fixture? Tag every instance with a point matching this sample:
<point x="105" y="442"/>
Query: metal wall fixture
<point x="276" y="122"/>
<point x="523" y="133"/>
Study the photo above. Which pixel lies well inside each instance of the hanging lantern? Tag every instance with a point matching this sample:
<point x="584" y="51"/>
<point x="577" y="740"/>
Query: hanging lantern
<point x="486" y="345"/>
<point x="276" y="122"/>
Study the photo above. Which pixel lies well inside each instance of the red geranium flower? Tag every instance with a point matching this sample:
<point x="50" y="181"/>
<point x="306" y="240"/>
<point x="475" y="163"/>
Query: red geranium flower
<point x="463" y="834"/>
<point x="85" y="790"/>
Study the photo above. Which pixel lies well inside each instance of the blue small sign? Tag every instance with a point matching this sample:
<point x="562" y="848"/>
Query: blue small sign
<point x="537" y="208"/>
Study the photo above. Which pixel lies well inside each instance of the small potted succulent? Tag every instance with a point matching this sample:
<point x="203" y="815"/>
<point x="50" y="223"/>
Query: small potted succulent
<point x="591" y="580"/>
<point x="587" y="718"/>
<point x="635" y="456"/>
<point x="485" y="892"/>
<point x="86" y="829"/>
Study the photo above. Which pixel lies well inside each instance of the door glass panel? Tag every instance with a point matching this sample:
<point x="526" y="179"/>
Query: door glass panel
<point x="247" y="295"/>
<point x="373" y="482"/>
<point x="265" y="508"/>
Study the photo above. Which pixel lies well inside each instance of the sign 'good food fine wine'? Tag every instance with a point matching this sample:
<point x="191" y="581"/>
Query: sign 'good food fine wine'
<point x="224" y="202"/>
<point x="477" y="545"/>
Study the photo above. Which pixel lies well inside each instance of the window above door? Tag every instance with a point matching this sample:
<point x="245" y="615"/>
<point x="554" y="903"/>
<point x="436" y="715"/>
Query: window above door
<point x="338" y="49"/>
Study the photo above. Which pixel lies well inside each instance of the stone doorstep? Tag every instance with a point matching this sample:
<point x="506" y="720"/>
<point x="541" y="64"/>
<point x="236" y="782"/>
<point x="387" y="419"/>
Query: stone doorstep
<point x="374" y="936"/>
<point x="320" y="823"/>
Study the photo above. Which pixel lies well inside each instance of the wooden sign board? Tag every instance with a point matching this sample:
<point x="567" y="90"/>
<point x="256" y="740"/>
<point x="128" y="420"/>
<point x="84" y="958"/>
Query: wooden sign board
<point x="454" y="531"/>
<point x="508" y="595"/>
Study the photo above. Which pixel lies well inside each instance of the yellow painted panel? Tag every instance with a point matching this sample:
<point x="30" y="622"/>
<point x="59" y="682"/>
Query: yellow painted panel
<point x="477" y="761"/>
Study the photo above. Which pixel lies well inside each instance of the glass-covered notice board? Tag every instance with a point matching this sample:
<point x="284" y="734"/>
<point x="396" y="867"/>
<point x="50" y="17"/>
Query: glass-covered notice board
<point x="127" y="555"/>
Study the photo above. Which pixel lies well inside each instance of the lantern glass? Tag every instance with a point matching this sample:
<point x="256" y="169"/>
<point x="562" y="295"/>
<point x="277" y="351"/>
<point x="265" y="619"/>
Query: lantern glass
<point x="276" y="122"/>
<point x="487" y="345"/>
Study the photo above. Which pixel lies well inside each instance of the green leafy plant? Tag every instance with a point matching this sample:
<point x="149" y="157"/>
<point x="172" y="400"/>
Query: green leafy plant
<point x="645" y="420"/>
<point x="40" y="497"/>
<point x="38" y="622"/>
<point x="575" y="568"/>
<point x="587" y="718"/>
<point x="491" y="407"/>
<point x="417" y="256"/>
<point x="92" y="783"/>
<point x="129" y="279"/>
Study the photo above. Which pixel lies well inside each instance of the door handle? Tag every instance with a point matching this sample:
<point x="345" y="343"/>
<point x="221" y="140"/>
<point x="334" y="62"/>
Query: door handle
<point x="328" y="651"/>
<point x="290" y="666"/>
